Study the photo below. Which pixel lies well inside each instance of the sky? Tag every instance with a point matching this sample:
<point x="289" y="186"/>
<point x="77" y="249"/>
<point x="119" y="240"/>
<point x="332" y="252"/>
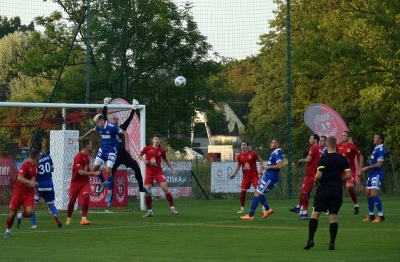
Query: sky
<point x="232" y="27"/>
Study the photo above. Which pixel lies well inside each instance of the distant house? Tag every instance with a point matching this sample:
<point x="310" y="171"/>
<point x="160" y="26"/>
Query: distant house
<point x="216" y="147"/>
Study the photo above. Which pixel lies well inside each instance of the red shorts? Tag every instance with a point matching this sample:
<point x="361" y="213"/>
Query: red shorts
<point x="308" y="184"/>
<point x="78" y="187"/>
<point x="26" y="200"/>
<point x="158" y="177"/>
<point x="248" y="181"/>
<point x="351" y="180"/>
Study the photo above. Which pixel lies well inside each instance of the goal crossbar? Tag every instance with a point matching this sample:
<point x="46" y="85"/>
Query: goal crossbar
<point x="67" y="105"/>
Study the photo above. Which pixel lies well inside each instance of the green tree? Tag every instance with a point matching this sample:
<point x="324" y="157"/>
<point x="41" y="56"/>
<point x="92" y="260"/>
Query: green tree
<point x="139" y="50"/>
<point x="345" y="55"/>
<point x="12" y="25"/>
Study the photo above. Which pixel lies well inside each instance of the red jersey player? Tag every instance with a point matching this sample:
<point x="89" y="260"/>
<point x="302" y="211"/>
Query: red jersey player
<point x="311" y="161"/>
<point x="247" y="159"/>
<point x="80" y="182"/>
<point x="350" y="151"/>
<point x="24" y="191"/>
<point x="154" y="154"/>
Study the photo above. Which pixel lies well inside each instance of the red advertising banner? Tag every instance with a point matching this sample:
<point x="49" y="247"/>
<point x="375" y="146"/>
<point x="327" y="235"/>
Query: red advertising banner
<point x="323" y="120"/>
<point x="120" y="191"/>
<point x="8" y="173"/>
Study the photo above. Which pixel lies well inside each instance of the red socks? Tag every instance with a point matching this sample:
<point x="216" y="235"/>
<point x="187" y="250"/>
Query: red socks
<point x="148" y="202"/>
<point x="169" y="198"/>
<point x="352" y="193"/>
<point x="242" y="198"/>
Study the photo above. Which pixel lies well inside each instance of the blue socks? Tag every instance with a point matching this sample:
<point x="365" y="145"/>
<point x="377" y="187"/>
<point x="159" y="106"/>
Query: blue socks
<point x="33" y="219"/>
<point x="375" y="201"/>
<point x="53" y="210"/>
<point x="101" y="177"/>
<point x="110" y="183"/>
<point x="254" y="204"/>
<point x="263" y="202"/>
<point x="370" y="205"/>
<point x="378" y="204"/>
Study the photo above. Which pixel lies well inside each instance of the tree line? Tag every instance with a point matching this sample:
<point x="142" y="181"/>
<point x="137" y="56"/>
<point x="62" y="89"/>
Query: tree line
<point x="345" y="53"/>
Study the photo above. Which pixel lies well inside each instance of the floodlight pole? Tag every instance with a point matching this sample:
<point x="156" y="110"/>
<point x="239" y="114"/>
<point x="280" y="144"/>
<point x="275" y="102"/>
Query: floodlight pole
<point x="87" y="58"/>
<point x="289" y="104"/>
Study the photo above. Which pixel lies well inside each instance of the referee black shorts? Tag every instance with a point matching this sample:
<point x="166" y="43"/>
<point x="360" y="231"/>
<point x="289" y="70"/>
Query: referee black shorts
<point x="328" y="198"/>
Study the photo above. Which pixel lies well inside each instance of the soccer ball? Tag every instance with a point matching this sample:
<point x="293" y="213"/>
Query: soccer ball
<point x="180" y="81"/>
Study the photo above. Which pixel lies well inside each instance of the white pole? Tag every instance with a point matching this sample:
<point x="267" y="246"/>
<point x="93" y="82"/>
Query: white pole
<point x="142" y="144"/>
<point x="64" y="114"/>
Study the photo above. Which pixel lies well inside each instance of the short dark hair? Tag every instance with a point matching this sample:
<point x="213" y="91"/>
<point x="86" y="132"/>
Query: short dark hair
<point x="38" y="146"/>
<point x="85" y="143"/>
<point x="381" y="136"/>
<point x="244" y="141"/>
<point x="323" y="137"/>
<point x="156" y="135"/>
<point x="316" y="137"/>
<point x="278" y="140"/>
<point x="34" y="153"/>
<point x="348" y="133"/>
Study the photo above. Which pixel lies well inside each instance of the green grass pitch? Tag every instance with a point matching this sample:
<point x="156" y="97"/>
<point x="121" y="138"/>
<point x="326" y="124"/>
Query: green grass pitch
<point x="206" y="230"/>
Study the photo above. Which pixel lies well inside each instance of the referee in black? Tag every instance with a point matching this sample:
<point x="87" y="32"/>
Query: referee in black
<point x="329" y="195"/>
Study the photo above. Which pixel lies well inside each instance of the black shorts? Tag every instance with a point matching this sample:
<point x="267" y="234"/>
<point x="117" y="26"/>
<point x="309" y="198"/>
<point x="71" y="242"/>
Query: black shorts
<point x="124" y="158"/>
<point x="328" y="198"/>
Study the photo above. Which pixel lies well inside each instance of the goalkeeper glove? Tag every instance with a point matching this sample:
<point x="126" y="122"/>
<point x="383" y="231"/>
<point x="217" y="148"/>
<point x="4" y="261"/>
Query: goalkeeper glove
<point x="107" y="100"/>
<point x="135" y="103"/>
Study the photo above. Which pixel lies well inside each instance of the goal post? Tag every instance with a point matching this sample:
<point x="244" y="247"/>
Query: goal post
<point x="63" y="135"/>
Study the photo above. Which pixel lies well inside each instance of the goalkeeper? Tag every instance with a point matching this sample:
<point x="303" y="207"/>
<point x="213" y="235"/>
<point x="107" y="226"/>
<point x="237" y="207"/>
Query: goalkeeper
<point x="123" y="156"/>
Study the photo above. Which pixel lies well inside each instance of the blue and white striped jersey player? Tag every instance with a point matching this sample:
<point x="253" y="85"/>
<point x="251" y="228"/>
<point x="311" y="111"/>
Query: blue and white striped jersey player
<point x="268" y="181"/>
<point x="108" y="150"/>
<point x="375" y="179"/>
<point x="45" y="189"/>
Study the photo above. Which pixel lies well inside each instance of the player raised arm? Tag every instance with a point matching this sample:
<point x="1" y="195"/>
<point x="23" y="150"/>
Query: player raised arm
<point x="88" y="133"/>
<point x="125" y="125"/>
<point x="126" y="139"/>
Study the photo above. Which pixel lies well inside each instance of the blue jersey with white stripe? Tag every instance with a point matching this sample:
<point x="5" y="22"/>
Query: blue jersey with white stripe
<point x="378" y="154"/>
<point x="108" y="136"/>
<point x="45" y="177"/>
<point x="274" y="158"/>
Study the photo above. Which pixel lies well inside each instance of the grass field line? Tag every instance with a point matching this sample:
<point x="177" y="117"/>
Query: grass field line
<point x="359" y="259"/>
<point x="221" y="224"/>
